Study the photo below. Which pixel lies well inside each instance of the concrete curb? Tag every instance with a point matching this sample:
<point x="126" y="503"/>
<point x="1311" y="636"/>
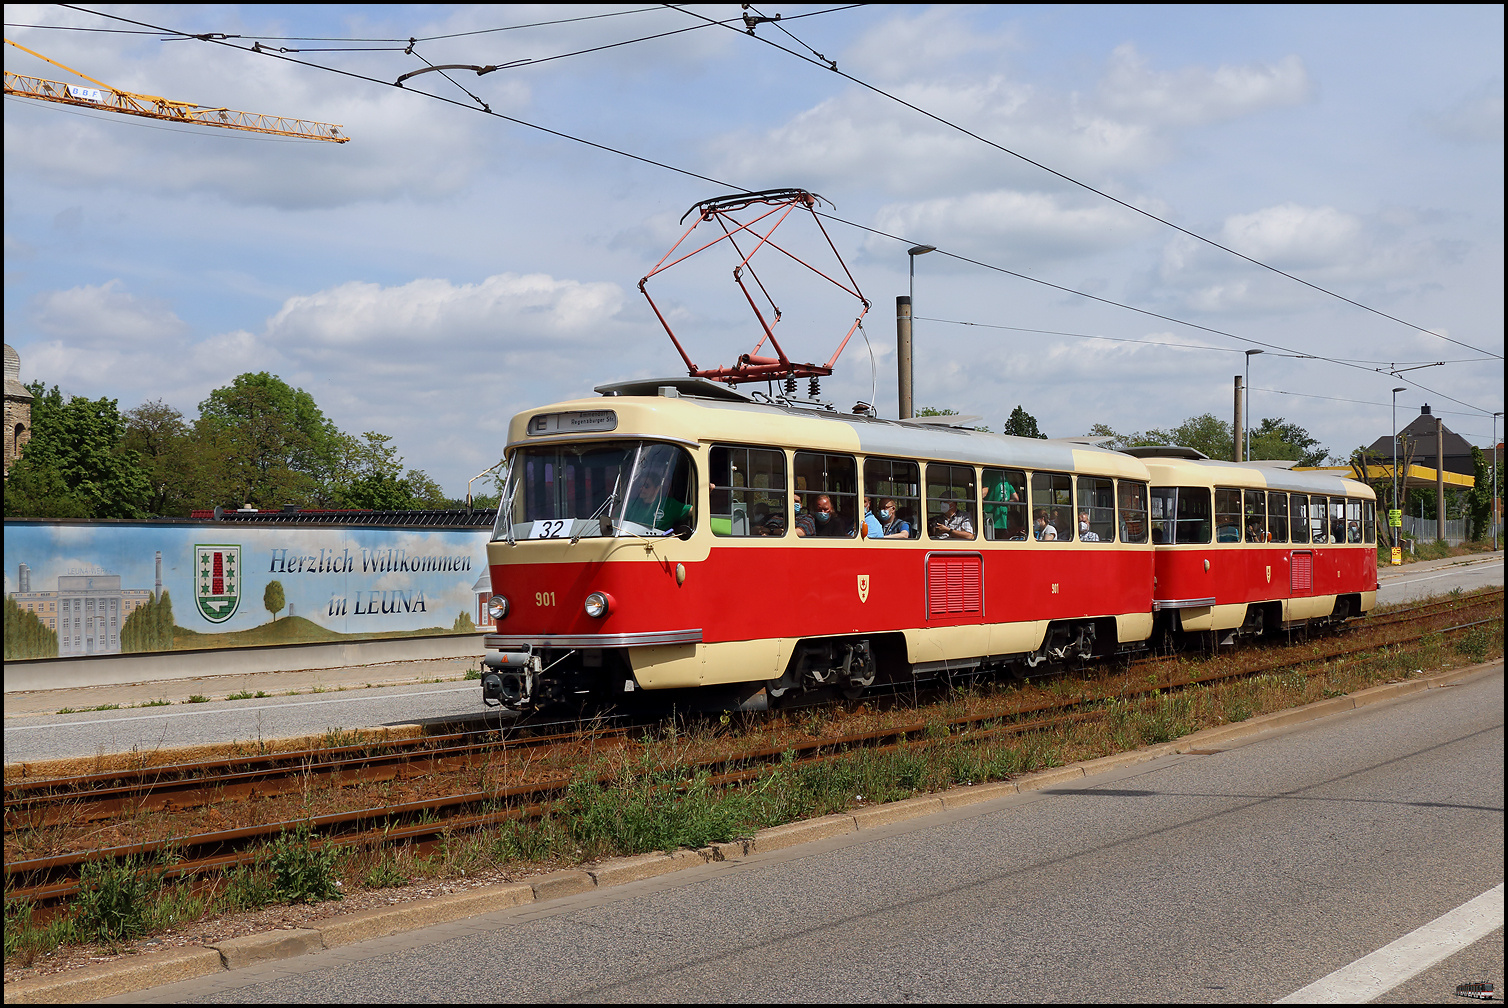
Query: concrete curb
<point x="154" y="969"/>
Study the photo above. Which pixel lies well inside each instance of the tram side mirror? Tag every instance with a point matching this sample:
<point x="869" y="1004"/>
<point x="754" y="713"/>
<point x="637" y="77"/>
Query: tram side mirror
<point x="604" y="526"/>
<point x="683" y="530"/>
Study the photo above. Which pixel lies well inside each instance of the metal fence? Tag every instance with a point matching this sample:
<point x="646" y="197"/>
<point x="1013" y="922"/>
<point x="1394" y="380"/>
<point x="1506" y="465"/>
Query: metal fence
<point x="1426" y="530"/>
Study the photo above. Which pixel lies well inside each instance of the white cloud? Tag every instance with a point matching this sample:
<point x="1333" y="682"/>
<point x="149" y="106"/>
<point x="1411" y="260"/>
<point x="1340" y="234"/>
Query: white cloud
<point x="1194" y="95"/>
<point x="104" y="314"/>
<point x="1014" y="226"/>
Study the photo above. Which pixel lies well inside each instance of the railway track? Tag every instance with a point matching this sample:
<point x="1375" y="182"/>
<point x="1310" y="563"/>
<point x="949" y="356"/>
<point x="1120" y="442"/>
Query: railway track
<point x="38" y="805"/>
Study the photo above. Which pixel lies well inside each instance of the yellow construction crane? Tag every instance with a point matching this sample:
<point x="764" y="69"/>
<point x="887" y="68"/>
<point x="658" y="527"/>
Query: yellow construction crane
<point x="153" y="107"/>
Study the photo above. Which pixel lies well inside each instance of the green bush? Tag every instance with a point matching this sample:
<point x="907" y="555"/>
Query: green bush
<point x="302" y="872"/>
<point x="115" y="898"/>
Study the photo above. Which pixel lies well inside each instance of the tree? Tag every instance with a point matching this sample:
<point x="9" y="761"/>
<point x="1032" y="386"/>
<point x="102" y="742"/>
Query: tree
<point x="1276" y="438"/>
<point x="272" y="599"/>
<point x="464" y="623"/>
<point x="26" y="636"/>
<point x="75" y="465"/>
<point x="1206" y="433"/>
<point x="1479" y="497"/>
<point x="174" y="461"/>
<point x="149" y="627"/>
<point x="1022" y="424"/>
<point x="376" y="479"/>
<point x="277" y="446"/>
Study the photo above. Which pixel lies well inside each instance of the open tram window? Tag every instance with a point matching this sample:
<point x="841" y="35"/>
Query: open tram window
<point x="1227" y="515"/>
<point x="1005" y="506"/>
<point x="1353" y="520"/>
<point x="1132" y="500"/>
<point x="899" y="484"/>
<point x="833" y="477"/>
<point x="748" y="491"/>
<point x="1277" y="517"/>
<point x="950" y="501"/>
<point x="1369" y="521"/>
<point x="1096" y="515"/>
<point x="1319" y="525"/>
<point x="1337" y="519"/>
<point x="1256" y="516"/>
<point x="1298" y="517"/>
<point x="1053" y="517"/>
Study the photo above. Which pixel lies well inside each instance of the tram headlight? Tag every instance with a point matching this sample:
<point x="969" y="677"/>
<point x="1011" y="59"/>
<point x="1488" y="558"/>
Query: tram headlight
<point x="598" y="604"/>
<point x="497" y="607"/>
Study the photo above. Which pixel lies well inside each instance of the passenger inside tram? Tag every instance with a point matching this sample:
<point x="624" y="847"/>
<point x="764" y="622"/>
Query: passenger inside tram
<point x="896" y="527"/>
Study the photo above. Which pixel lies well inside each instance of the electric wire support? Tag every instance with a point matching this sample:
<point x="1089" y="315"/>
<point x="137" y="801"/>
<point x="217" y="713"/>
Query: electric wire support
<point x="155" y="107"/>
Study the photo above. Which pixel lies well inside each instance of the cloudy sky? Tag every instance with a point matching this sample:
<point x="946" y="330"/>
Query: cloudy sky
<point x="448" y="268"/>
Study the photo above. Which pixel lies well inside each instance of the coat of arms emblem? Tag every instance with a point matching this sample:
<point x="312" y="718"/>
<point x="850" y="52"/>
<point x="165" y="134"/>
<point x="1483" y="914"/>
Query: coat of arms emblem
<point x="217" y="581"/>
<point x="863" y="587"/>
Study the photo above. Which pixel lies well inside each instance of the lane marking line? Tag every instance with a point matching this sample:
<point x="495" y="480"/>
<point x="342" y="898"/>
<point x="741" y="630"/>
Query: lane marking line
<point x="1374" y="975"/>
<point x="1432" y="577"/>
<point x="231" y="710"/>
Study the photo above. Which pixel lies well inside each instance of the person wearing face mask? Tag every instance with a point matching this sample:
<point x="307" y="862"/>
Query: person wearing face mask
<point x="1084" y="534"/>
<point x="874" y="527"/>
<point x="896" y="527"/>
<point x="821" y="520"/>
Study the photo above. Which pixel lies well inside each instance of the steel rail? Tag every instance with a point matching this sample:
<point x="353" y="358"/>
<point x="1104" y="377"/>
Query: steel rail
<point x="453" y="812"/>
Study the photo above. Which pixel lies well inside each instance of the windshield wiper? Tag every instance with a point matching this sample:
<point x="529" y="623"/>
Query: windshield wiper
<point x="603" y="518"/>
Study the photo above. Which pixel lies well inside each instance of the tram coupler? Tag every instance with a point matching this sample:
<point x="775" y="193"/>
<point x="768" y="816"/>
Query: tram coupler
<point x="509" y="681"/>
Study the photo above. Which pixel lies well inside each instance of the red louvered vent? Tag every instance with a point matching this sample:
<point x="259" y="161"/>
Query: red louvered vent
<point x="1301" y="572"/>
<point x="955" y="586"/>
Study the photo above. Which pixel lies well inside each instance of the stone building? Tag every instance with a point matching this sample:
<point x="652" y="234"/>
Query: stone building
<point x="17" y="408"/>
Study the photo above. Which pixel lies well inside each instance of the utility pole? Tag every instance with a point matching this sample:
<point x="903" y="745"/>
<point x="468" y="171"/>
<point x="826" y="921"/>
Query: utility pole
<point x="1440" y="479"/>
<point x="903" y="353"/>
<point x="1236" y="426"/>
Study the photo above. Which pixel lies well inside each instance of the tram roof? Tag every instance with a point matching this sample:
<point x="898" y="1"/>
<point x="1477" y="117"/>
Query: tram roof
<point x="1169" y="471"/>
<point x="720" y="416"/>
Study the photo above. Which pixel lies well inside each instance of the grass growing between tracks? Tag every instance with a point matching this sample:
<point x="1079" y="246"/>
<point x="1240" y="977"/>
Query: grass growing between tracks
<point x="651" y="795"/>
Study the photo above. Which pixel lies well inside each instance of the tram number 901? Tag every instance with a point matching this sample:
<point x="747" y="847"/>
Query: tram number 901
<point x="544" y="598"/>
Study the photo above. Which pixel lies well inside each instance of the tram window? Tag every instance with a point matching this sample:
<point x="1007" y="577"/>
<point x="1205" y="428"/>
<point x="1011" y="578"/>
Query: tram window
<point x="1005" y="509"/>
<point x="1319" y="527"/>
<point x="1133" y="511"/>
<point x="1227" y="515"/>
<point x="565" y="491"/>
<point x="1180" y="515"/>
<point x="950" y="501"/>
<point x="898" y="481"/>
<point x="1053" y="517"/>
<point x="820" y="475"/>
<point x="1337" y="519"/>
<point x="1298" y="517"/>
<point x="1095" y="518"/>
<point x="1369" y="521"/>
<point x="1256" y="516"/>
<point x="748" y="491"/>
<point x="1353" y="520"/>
<point x="1277" y="517"/>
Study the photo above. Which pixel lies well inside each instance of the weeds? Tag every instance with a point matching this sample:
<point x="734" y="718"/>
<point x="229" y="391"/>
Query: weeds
<point x="198" y="698"/>
<point x="302" y="872"/>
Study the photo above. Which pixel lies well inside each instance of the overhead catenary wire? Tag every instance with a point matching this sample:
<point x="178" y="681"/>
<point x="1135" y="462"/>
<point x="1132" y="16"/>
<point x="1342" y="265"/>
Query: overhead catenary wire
<point x="213" y="39"/>
<point x="833" y="67"/>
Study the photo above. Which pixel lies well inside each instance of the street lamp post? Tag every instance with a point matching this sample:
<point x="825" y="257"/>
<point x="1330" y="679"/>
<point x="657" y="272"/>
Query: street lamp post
<point x="1395" y="462"/>
<point x="1494" y="488"/>
<point x="905" y="352"/>
<point x="1246" y="418"/>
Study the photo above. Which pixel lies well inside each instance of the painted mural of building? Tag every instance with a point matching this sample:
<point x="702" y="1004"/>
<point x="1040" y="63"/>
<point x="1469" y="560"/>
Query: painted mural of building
<point x="86" y="612"/>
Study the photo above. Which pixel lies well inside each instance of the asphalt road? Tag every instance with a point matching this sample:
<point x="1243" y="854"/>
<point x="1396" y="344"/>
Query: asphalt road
<point x="1239" y="876"/>
<point x="33" y="732"/>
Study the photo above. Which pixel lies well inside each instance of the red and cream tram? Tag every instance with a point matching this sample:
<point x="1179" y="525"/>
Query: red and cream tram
<point x="667" y="536"/>
<point x="679" y="534"/>
<point x="1247" y="548"/>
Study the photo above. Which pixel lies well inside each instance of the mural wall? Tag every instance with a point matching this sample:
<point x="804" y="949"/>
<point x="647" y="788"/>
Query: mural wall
<point x="107" y="587"/>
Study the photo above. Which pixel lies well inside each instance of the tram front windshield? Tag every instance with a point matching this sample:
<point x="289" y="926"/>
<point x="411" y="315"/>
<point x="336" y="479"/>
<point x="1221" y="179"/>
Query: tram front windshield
<point x="599" y="488"/>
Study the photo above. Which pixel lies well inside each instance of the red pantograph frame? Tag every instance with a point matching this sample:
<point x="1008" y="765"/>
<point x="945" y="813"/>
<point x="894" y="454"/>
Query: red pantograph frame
<point x="781" y="202"/>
